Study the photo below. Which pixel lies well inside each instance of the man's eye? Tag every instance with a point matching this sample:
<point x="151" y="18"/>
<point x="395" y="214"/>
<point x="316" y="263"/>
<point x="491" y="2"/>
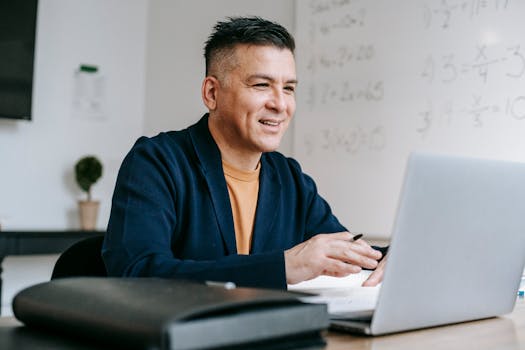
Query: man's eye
<point x="262" y="85"/>
<point x="290" y="88"/>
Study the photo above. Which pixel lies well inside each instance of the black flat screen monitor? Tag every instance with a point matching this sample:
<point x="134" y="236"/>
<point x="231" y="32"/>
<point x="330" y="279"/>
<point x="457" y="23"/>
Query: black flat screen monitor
<point x="17" y="51"/>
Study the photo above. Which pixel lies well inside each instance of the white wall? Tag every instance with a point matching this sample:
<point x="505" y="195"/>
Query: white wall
<point x="37" y="189"/>
<point x="151" y="55"/>
<point x="175" y="66"/>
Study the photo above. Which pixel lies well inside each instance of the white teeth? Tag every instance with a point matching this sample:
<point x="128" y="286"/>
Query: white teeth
<point x="266" y="122"/>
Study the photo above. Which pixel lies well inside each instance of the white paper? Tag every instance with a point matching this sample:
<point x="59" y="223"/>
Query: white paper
<point x="342" y="295"/>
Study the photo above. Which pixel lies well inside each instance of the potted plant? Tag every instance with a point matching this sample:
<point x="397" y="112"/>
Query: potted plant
<point x="87" y="171"/>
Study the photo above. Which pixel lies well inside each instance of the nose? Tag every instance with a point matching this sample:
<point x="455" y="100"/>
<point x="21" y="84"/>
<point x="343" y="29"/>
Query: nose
<point x="277" y="102"/>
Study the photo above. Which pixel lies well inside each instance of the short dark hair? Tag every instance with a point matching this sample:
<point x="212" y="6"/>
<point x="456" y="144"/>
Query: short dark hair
<point x="245" y="30"/>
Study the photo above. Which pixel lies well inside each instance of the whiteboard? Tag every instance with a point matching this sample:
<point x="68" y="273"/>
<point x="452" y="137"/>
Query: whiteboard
<point x="381" y="78"/>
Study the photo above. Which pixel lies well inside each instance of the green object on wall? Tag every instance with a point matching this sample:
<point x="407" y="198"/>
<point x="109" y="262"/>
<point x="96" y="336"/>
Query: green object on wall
<point x="88" y="68"/>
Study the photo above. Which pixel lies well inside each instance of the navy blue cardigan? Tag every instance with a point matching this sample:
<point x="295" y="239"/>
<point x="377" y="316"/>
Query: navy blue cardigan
<point x="171" y="214"/>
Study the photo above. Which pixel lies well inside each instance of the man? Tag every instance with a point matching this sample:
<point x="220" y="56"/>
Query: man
<point x="215" y="201"/>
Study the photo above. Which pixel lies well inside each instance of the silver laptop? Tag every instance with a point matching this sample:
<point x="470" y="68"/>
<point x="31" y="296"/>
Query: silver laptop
<point x="458" y="246"/>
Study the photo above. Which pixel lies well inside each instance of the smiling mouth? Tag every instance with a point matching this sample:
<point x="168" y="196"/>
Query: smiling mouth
<point x="269" y="122"/>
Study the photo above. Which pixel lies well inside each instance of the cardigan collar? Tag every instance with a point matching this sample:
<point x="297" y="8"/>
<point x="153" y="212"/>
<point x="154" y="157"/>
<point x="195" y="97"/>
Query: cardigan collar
<point x="209" y="158"/>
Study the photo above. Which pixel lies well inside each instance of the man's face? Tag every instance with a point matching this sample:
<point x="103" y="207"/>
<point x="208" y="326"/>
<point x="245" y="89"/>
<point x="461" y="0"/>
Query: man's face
<point x="256" y="98"/>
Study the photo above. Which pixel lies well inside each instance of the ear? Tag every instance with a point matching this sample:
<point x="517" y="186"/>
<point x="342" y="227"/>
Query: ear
<point x="209" y="89"/>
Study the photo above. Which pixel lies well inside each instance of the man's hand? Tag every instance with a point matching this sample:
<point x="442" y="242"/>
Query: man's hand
<point x="334" y="254"/>
<point x="377" y="276"/>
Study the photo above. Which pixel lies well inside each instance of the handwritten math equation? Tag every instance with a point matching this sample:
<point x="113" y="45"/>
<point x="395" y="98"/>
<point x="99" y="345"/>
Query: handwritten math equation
<point x="478" y="111"/>
<point x="444" y="14"/>
<point x="508" y="61"/>
<point x="344" y="92"/>
<point x="348" y="140"/>
<point x="340" y="57"/>
<point x="317" y="7"/>
<point x="320" y="28"/>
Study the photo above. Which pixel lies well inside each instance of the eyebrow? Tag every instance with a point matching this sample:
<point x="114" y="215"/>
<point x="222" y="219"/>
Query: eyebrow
<point x="267" y="77"/>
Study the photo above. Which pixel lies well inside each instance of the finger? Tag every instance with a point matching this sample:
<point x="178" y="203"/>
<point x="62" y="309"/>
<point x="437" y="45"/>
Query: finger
<point x="374" y="279"/>
<point x="356" y="258"/>
<point x="341" y="248"/>
<point x="363" y="243"/>
<point x="338" y="268"/>
<point x="347" y="237"/>
<point x="367" y="249"/>
<point x="343" y="251"/>
<point x="351" y="253"/>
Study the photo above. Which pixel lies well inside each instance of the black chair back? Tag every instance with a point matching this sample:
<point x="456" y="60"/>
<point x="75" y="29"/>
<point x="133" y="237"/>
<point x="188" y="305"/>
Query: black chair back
<point x="81" y="259"/>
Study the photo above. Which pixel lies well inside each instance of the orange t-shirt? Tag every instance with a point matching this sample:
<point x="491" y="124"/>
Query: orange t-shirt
<point x="243" y="188"/>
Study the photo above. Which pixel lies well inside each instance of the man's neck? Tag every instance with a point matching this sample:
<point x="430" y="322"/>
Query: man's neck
<point x="239" y="159"/>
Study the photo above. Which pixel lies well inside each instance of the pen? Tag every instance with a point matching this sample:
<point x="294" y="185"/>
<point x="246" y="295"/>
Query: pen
<point x="356" y="237"/>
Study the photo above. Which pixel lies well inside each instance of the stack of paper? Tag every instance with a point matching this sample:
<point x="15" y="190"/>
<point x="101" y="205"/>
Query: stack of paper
<point x="343" y="295"/>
